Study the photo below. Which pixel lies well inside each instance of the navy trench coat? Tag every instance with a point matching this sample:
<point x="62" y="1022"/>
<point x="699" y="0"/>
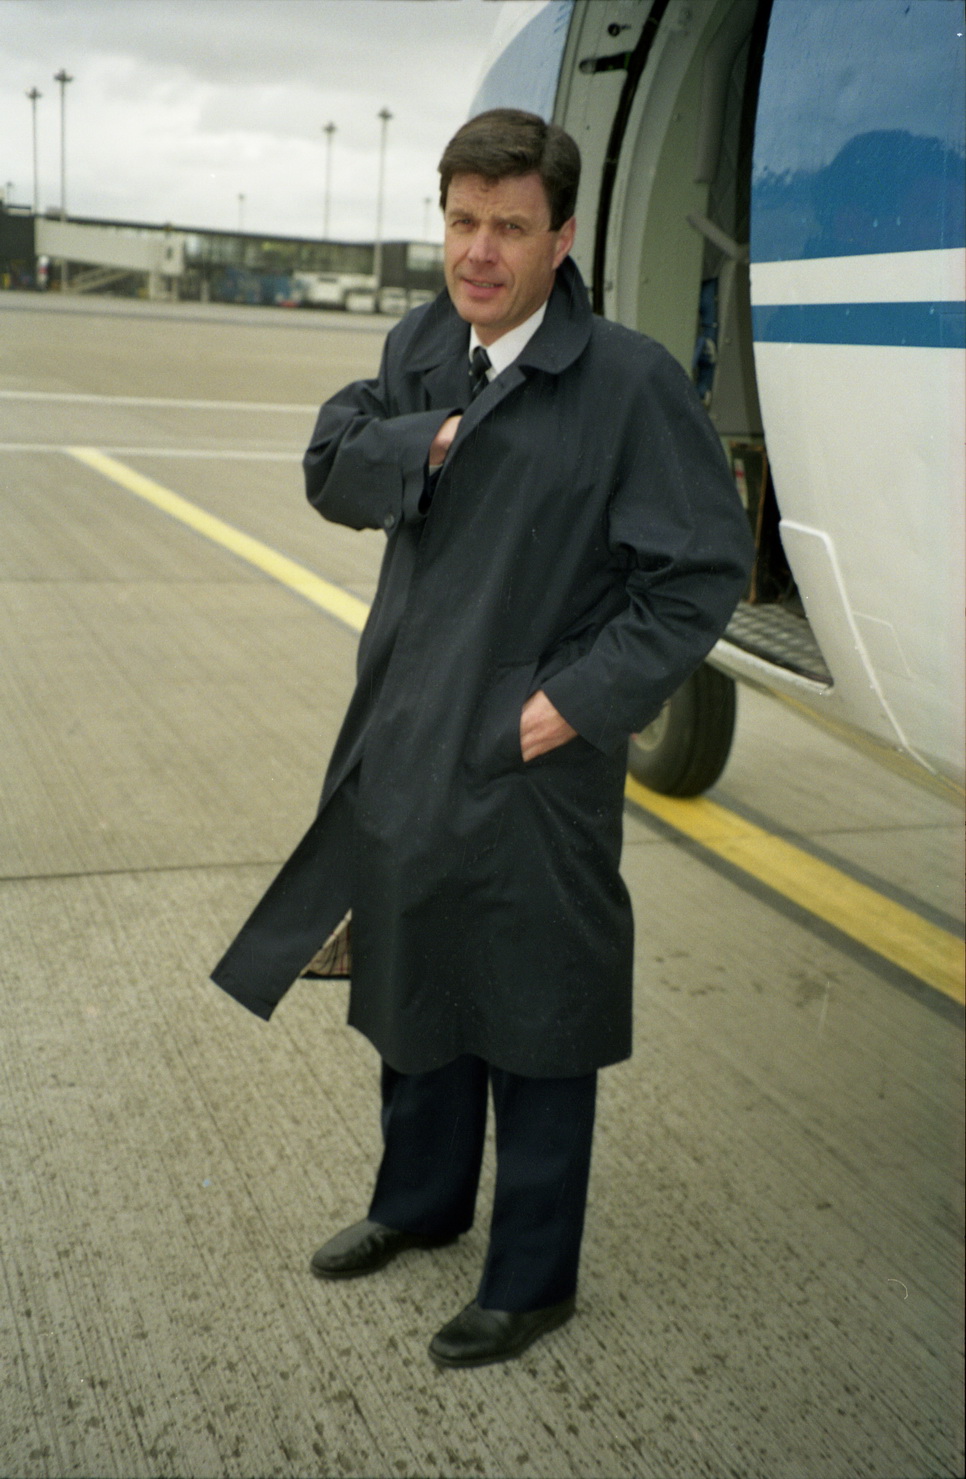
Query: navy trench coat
<point x="584" y="537"/>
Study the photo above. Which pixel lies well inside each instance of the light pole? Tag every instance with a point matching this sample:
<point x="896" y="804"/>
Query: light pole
<point x="241" y="211"/>
<point x="328" y="130"/>
<point x="384" y="116"/>
<point x="63" y="77"/>
<point x="33" y="95"/>
<point x="427" y="203"/>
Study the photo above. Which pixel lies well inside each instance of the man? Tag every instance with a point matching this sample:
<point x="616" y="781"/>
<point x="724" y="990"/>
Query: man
<point x="564" y="546"/>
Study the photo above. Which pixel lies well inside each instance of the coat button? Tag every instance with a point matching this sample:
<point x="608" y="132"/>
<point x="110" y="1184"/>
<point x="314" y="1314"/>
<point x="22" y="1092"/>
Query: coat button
<point x="389" y="522"/>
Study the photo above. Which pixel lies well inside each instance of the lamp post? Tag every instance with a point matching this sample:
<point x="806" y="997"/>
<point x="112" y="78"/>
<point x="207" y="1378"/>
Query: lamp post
<point x="241" y="211"/>
<point x="328" y="130"/>
<point x="63" y="77"/>
<point x="384" y="116"/>
<point x="33" y="95"/>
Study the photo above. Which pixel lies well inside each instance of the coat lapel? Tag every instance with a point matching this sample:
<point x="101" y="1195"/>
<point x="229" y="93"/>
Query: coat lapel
<point x="440" y="356"/>
<point x="448" y="383"/>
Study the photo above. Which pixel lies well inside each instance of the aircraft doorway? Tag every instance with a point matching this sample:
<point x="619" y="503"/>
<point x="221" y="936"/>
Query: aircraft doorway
<point x="674" y="262"/>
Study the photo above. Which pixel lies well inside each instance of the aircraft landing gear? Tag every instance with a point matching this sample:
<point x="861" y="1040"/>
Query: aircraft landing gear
<point x="684" y="750"/>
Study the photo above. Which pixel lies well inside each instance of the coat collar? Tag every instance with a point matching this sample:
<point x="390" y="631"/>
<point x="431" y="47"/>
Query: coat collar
<point x="443" y="336"/>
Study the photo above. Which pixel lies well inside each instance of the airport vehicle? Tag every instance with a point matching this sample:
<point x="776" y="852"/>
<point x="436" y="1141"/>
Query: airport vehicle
<point x="354" y="291"/>
<point x="393" y="300"/>
<point x="774" y="189"/>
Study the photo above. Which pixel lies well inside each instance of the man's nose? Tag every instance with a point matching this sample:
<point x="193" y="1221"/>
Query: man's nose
<point x="483" y="245"/>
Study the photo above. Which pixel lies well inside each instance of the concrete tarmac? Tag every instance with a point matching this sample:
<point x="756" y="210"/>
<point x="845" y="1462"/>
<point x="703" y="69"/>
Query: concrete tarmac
<point x="772" y="1278"/>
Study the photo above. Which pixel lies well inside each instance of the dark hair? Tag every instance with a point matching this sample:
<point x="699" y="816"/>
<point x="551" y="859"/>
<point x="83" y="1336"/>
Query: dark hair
<point x="507" y="141"/>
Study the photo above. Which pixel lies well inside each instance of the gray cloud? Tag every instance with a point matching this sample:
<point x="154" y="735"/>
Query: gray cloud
<point x="178" y="107"/>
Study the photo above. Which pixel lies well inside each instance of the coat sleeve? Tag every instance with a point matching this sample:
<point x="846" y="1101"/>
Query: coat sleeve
<point x="366" y="466"/>
<point x="680" y="536"/>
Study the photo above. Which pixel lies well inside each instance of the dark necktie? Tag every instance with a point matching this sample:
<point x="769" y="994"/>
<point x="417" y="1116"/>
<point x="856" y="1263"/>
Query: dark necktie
<point x="479" y="364"/>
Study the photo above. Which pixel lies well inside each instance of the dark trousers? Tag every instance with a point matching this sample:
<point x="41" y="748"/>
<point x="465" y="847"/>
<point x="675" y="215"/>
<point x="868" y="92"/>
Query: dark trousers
<point x="433" y="1128"/>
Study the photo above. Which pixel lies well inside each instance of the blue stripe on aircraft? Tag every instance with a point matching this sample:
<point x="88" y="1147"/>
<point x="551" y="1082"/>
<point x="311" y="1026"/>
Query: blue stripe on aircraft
<point x="913" y="325"/>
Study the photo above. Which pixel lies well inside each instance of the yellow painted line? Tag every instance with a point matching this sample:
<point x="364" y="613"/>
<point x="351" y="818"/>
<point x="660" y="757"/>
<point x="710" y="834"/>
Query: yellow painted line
<point x="338" y="603"/>
<point x="898" y="934"/>
<point x="892" y="931"/>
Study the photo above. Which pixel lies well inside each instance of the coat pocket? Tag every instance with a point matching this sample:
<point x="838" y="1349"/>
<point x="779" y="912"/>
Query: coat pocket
<point x="493" y="745"/>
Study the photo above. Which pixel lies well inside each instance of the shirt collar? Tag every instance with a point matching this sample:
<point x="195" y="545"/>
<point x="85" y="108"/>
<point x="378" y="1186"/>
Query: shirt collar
<point x="509" y="346"/>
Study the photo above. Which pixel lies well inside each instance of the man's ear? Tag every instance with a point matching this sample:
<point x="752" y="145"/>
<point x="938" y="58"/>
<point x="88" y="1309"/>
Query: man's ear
<point x="565" y="240"/>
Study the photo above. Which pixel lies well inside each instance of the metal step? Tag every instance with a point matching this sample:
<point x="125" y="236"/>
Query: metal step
<point x="781" y="636"/>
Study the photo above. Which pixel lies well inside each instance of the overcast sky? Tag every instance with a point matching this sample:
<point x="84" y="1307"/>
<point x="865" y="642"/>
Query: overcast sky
<point x="179" y="106"/>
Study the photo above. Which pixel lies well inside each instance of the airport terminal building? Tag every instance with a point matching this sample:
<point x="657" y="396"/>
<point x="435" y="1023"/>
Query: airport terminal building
<point x="140" y="259"/>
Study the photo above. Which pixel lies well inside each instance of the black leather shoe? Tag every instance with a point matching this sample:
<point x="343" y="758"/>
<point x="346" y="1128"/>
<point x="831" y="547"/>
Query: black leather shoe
<point x="365" y="1247"/>
<point x="478" y="1337"/>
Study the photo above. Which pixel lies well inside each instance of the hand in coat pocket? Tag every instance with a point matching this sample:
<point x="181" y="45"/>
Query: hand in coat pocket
<point x="542" y="727"/>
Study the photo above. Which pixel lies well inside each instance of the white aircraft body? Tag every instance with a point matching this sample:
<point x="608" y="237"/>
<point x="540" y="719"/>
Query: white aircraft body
<point x="774" y="189"/>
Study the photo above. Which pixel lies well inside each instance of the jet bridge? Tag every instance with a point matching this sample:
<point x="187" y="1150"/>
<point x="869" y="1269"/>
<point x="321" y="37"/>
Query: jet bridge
<point x="110" y="251"/>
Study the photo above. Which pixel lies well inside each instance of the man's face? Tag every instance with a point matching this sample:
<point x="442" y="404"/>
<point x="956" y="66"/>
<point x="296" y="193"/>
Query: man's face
<point x="501" y="254"/>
